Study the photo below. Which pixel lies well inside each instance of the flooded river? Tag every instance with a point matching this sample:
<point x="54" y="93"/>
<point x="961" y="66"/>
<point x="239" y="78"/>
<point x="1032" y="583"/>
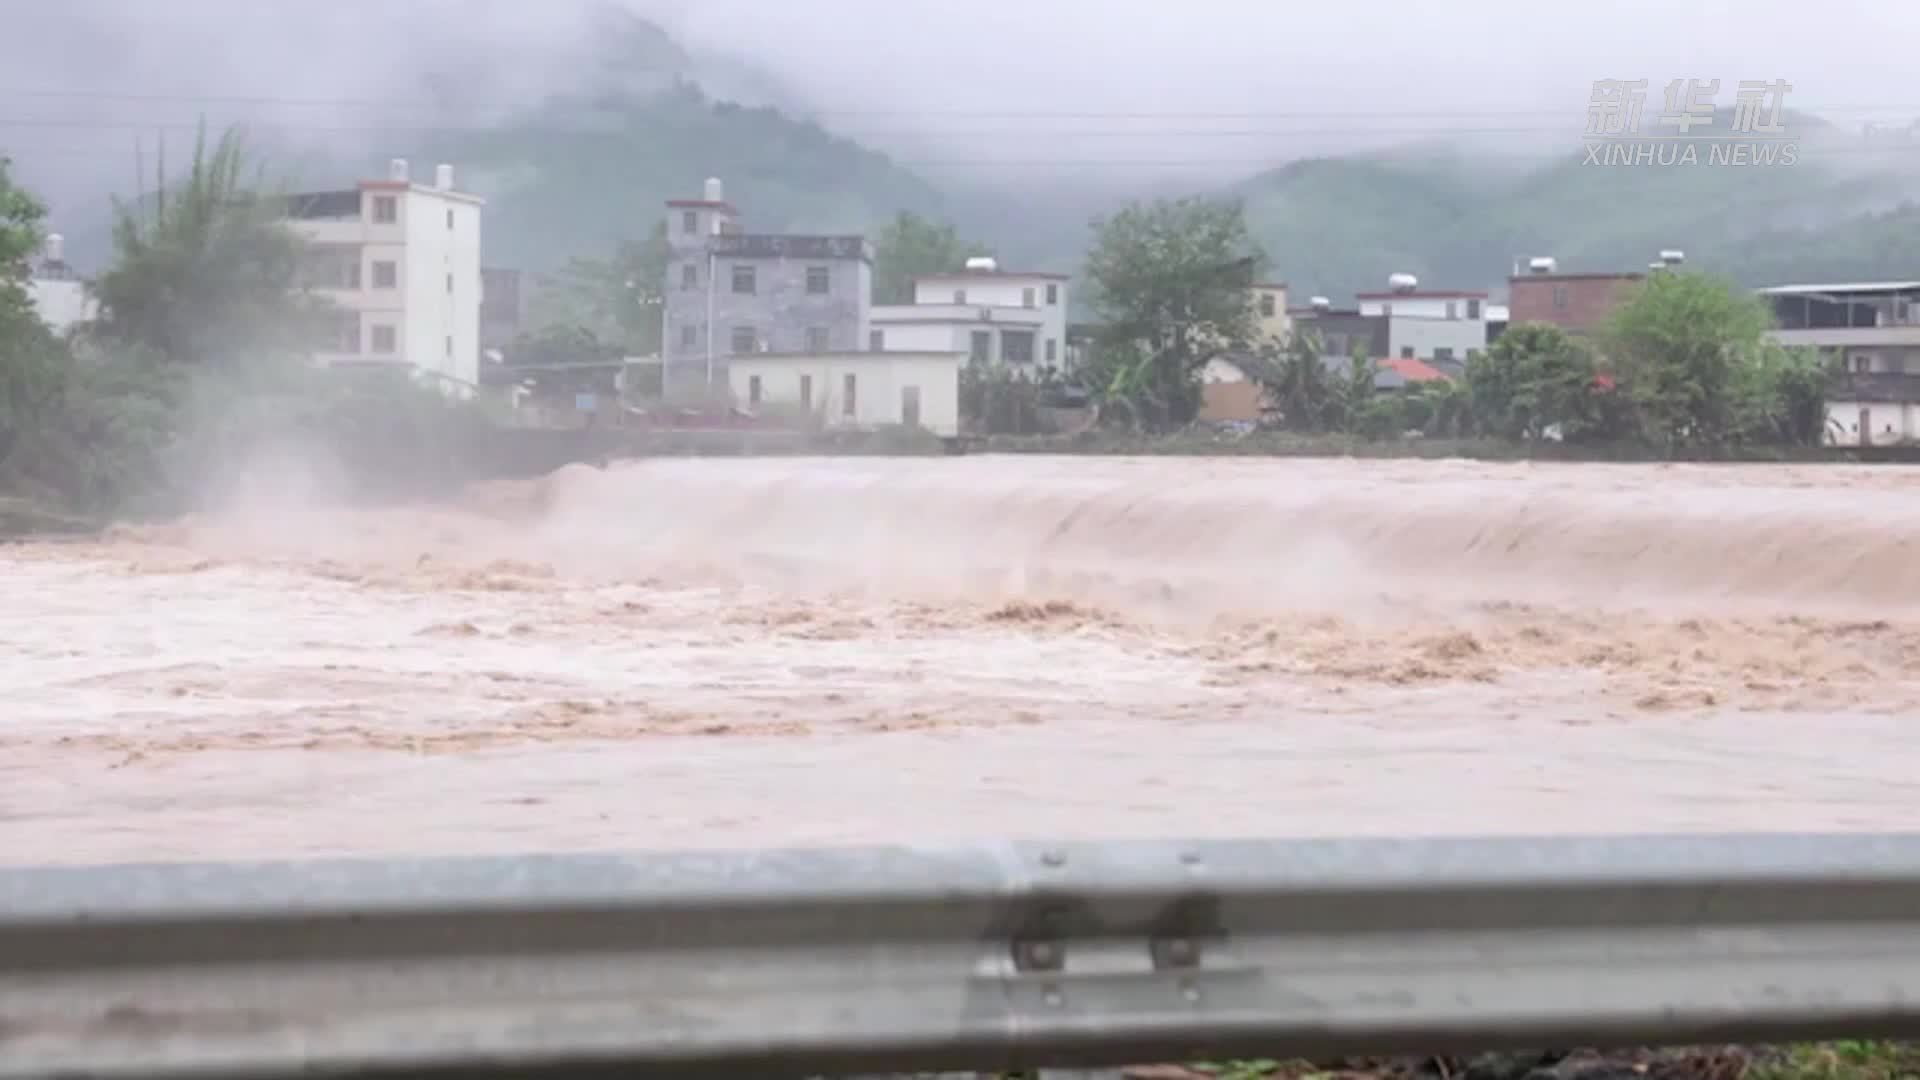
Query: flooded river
<point x="713" y="653"/>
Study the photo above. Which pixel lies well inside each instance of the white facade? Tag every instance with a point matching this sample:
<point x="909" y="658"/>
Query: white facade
<point x="1872" y="423"/>
<point x="993" y="316"/>
<point x="854" y="390"/>
<point x="1443" y="326"/>
<point x="402" y="262"/>
<point x="986" y="335"/>
<point x="61" y="302"/>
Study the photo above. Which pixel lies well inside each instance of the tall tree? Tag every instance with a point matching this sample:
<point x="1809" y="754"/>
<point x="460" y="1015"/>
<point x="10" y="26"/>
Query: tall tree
<point x="911" y="246"/>
<point x="618" y="301"/>
<point x="29" y="361"/>
<point x="1679" y="346"/>
<point x="1170" y="282"/>
<point x="1534" y="379"/>
<point x="206" y="270"/>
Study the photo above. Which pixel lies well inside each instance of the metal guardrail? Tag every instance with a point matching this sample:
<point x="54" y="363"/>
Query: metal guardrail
<point x="1000" y="957"/>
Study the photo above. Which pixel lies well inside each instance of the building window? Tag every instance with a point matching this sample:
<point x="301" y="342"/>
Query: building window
<point x="744" y="280"/>
<point x="1266" y="305"/>
<point x="1053" y="296"/>
<point x="1862" y="363"/>
<point x="1473" y="309"/>
<point x="753" y="389"/>
<point x="806" y="391"/>
<point x="449" y="284"/>
<point x="743" y="339"/>
<point x="1406" y="352"/>
<point x="386" y="275"/>
<point x="689" y="222"/>
<point x="342" y="334"/>
<point x="910" y="406"/>
<point x="819" y="281"/>
<point x="959" y="296"/>
<point x="849" y="403"/>
<point x="1453" y="310"/>
<point x="1560" y="298"/>
<point x="449" y="346"/>
<point x="1442" y="355"/>
<point x="449" y="219"/>
<point x="689" y="276"/>
<point x="980" y="348"/>
<point x="877" y="341"/>
<point x="1026" y="298"/>
<point x="688" y="336"/>
<point x="1016" y="347"/>
<point x="386" y="210"/>
<point x="1053" y="350"/>
<point x="817" y="339"/>
<point x="386" y="340"/>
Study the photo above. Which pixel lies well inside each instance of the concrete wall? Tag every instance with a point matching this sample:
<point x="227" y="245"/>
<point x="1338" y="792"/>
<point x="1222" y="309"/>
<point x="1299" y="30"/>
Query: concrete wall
<point x="1425" y="334"/>
<point x="950" y="328"/>
<point x="1277" y="325"/>
<point x="433" y="306"/>
<point x="879" y="380"/>
<point x="61" y="303"/>
<point x="780" y="311"/>
<point x="1006" y="290"/>
<point x="441" y="276"/>
<point x="1888" y="423"/>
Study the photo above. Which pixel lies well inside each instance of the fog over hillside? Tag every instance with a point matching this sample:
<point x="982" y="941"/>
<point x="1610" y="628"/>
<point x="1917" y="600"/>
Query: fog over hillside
<point x="1024" y="119"/>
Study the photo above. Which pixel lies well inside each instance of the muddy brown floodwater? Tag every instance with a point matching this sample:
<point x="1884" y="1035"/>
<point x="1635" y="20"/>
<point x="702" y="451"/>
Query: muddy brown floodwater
<point x="747" y="652"/>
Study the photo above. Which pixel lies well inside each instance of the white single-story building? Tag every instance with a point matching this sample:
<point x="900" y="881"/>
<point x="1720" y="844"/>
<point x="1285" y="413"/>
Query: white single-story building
<point x="854" y="389"/>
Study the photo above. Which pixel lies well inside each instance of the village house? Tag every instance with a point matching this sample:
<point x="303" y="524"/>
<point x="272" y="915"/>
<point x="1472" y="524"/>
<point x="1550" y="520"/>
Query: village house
<point x="1871" y="332"/>
<point x="401" y="263"/>
<point x="55" y="289"/>
<point x="859" y="390"/>
<point x="731" y="293"/>
<point x="1015" y="319"/>
<point x="1442" y="327"/>
<point x="1579" y="303"/>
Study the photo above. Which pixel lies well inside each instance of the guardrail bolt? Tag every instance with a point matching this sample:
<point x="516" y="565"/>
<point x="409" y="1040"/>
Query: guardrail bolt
<point x="1176" y="953"/>
<point x="1039" y="956"/>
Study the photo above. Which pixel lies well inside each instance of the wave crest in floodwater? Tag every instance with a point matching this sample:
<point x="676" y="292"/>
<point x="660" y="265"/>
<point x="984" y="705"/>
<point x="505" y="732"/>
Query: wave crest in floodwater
<point x="1242" y="536"/>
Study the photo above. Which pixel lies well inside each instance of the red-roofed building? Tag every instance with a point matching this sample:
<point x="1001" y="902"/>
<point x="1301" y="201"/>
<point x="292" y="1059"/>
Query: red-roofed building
<point x="1413" y="371"/>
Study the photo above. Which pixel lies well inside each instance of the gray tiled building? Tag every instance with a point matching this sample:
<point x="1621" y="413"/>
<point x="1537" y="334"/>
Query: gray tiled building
<point x="730" y="292"/>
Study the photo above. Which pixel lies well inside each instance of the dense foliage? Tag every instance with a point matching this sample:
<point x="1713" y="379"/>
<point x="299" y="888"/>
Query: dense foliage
<point x="911" y="246"/>
<point x="1170" y="285"/>
<point x="194" y="379"/>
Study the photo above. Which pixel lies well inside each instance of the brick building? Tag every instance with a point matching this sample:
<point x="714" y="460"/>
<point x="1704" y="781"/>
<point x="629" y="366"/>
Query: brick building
<point x="1579" y="303"/>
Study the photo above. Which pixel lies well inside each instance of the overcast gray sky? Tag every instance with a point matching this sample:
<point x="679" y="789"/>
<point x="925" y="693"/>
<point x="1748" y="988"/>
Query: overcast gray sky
<point x="965" y="88"/>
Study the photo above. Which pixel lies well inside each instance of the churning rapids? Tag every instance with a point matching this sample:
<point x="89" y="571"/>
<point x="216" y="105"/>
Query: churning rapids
<point x="702" y="653"/>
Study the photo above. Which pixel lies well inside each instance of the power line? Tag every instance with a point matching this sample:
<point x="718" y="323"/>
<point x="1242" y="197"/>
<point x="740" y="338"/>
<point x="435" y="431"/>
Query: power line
<point x="802" y="112"/>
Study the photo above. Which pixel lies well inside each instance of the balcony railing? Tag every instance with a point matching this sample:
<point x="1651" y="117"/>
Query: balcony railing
<point x="1882" y="386"/>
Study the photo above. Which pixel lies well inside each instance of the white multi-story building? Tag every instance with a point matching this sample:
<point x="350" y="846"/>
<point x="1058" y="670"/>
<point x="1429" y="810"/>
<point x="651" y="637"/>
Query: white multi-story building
<point x="993" y="316"/>
<point x="1437" y="327"/>
<point x="402" y="262"/>
<point x="56" y="291"/>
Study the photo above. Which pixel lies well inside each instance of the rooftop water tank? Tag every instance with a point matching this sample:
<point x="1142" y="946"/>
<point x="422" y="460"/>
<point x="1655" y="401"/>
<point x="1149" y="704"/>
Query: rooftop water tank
<point x="397" y="170"/>
<point x="984" y="264"/>
<point x="1545" y="264"/>
<point x="443" y="177"/>
<point x="1403" y="283"/>
<point x="715" y="192"/>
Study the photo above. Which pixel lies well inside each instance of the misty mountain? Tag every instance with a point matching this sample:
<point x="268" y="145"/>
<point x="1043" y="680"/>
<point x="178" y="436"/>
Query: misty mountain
<point x="1333" y="227"/>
